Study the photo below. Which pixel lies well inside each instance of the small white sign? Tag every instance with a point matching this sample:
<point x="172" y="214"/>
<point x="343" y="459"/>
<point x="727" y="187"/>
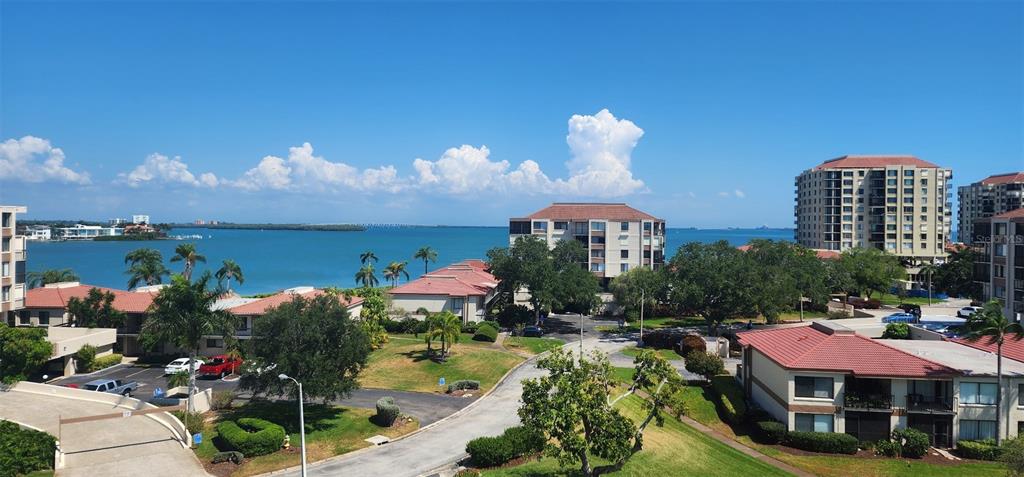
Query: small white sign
<point x="126" y="414"/>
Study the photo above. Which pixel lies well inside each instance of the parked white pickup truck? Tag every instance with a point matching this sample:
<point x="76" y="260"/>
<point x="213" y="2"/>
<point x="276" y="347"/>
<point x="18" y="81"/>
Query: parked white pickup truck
<point x="112" y="386"/>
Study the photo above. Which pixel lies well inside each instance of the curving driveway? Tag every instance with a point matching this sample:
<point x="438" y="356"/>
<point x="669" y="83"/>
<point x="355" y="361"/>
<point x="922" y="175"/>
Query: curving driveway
<point x="445" y="442"/>
<point x="131" y="446"/>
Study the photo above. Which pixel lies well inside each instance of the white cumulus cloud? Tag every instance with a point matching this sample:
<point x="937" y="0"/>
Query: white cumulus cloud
<point x="160" y="169"/>
<point x="601" y="146"/>
<point x="467" y="169"/>
<point x="305" y="170"/>
<point x="739" y="194"/>
<point x="33" y="159"/>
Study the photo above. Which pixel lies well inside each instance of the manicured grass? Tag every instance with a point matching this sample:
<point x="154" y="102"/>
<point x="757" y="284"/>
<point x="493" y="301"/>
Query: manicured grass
<point x="829" y="466"/>
<point x="40" y="473"/>
<point x="532" y="345"/>
<point x="404" y="364"/>
<point x="672" y="449"/>
<point x="668" y="354"/>
<point x="893" y="300"/>
<point x="330" y="431"/>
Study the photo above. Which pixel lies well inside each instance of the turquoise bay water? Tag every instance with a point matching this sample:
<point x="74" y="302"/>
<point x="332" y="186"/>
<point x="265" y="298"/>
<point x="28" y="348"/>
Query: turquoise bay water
<point x="275" y="259"/>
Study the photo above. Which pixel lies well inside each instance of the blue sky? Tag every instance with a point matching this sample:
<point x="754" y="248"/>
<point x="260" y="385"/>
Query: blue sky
<point x="700" y="113"/>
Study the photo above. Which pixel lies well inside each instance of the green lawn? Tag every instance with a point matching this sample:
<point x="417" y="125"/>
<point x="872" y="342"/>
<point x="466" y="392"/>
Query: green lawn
<point x="330" y="431"/>
<point x="532" y="345"/>
<point x="672" y="449"/>
<point x="893" y="300"/>
<point x="668" y="354"/>
<point x="838" y="466"/>
<point x="403" y="364"/>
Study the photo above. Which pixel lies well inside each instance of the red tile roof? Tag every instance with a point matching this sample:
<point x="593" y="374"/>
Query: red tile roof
<point x="591" y="210"/>
<point x="57" y="297"/>
<point x="466" y="278"/>
<point x="857" y="162"/>
<point x="1013" y="214"/>
<point x="810" y="348"/>
<point x="821" y="253"/>
<point x="1004" y="178"/>
<point x="261" y="306"/>
<point x="1013" y="347"/>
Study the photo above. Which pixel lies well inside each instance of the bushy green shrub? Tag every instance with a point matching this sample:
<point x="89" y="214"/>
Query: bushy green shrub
<point x="888" y="448"/>
<point x="409" y="325"/>
<point x="771" y="432"/>
<point x="486" y="332"/>
<point x="391" y="326"/>
<point x="250" y="436"/>
<point x="229" y="456"/>
<point x="106" y="361"/>
<point x="896" y="331"/>
<point x="515" y="442"/>
<point x="84" y="357"/>
<point x="193" y="420"/>
<point x="730" y="398"/>
<point x="468" y="473"/>
<point x="980" y="450"/>
<point x="222" y="400"/>
<point x="470" y="327"/>
<point x="463" y="384"/>
<point x="691" y="343"/>
<point x="491" y="323"/>
<point x="1013" y="456"/>
<point x="24" y="450"/>
<point x="838" y="315"/>
<point x="387" y="411"/>
<point x="827" y="442"/>
<point x="705" y="364"/>
<point x="913" y="443"/>
<point x="511" y="315"/>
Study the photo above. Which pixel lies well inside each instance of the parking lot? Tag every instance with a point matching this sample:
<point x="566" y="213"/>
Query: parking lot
<point x="149" y="378"/>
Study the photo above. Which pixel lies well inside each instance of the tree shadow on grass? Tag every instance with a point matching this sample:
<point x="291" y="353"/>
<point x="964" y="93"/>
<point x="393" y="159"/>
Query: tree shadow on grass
<point x="419" y="355"/>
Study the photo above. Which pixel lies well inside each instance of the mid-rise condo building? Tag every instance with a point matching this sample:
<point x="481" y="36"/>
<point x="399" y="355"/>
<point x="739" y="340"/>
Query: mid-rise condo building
<point x="617" y="236"/>
<point x="999" y="241"/>
<point x="899" y="204"/>
<point x="990" y="196"/>
<point x="12" y="262"/>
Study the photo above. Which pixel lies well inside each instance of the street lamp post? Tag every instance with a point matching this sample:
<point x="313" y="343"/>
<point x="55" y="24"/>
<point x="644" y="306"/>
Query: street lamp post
<point x="581" y="335"/>
<point x="302" y="421"/>
<point x="642" y="317"/>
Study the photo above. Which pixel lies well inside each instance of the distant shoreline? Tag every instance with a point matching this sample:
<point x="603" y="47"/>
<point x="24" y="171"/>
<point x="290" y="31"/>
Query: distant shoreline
<point x="305" y="227"/>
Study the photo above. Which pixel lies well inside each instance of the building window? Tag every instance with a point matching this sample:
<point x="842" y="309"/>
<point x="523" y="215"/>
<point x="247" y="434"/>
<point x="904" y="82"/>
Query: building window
<point x="998" y="271"/>
<point x="1000" y="249"/>
<point x="808" y="386"/>
<point x="597" y="226"/>
<point x="458" y="304"/>
<point x="623" y="267"/>
<point x="977" y="430"/>
<point x="561" y="225"/>
<point x="540" y="226"/>
<point x="623" y="253"/>
<point x="597" y="239"/>
<point x="6" y="269"/>
<point x="814" y="422"/>
<point x="44" y="318"/>
<point x="597" y="267"/>
<point x="214" y="343"/>
<point x="977" y="393"/>
<point x="7" y="244"/>
<point x="624" y="226"/>
<point x="6" y="296"/>
<point x="1020" y="394"/>
<point x="598" y="253"/>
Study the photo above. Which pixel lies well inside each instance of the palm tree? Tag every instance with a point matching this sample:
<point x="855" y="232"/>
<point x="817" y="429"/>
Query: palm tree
<point x="426" y="254"/>
<point x="146" y="265"/>
<point x="187" y="253"/>
<point x="449" y="330"/>
<point x="182" y="315"/>
<point x="394" y="271"/>
<point x="432" y="327"/>
<point x="929" y="269"/>
<point x="990" y="323"/>
<point x="53" y="275"/>
<point x="178" y="379"/>
<point x="367" y="257"/>
<point x="230" y="270"/>
<point x="366" y="276"/>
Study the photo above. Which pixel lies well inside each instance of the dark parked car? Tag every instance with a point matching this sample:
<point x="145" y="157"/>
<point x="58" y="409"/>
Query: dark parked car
<point x="533" y="331"/>
<point x="911" y="308"/>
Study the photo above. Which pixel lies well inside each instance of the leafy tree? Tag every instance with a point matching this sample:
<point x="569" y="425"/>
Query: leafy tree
<point x="572" y="408"/>
<point x="871" y="270"/>
<point x="638" y="286"/>
<point x="991" y="324"/>
<point x="956" y="276"/>
<point x="836" y="277"/>
<point x="896" y="331"/>
<point x="46" y="277"/>
<point x="712" y="280"/>
<point x="187" y="253"/>
<point x="182" y="314"/>
<point x="145" y="265"/>
<point x="447" y="327"/>
<point x="783" y="272"/>
<point x="96" y="310"/>
<point x="366" y="276"/>
<point x="394" y="271"/>
<point x="372" y="316"/>
<point x="367" y="257"/>
<point x="23" y="351"/>
<point x="181" y="378"/>
<point x="705" y="364"/>
<point x="426" y="254"/>
<point x="229" y="270"/>
<point x="312" y="340"/>
<point x="526" y="263"/>
<point x="574" y="288"/>
<point x="928" y="270"/>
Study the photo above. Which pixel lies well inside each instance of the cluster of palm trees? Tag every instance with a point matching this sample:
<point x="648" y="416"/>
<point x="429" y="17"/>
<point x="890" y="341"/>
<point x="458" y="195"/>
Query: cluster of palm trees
<point x="146" y="266"/>
<point x="444" y="326"/>
<point x="394" y="271"/>
<point x="46" y="277"/>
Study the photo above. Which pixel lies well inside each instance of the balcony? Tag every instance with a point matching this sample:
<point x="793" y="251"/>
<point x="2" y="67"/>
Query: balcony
<point x="865" y="401"/>
<point x="929" y="404"/>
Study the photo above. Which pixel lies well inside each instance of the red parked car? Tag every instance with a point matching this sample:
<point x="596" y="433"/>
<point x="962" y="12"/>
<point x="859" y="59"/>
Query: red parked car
<point x="220" y="365"/>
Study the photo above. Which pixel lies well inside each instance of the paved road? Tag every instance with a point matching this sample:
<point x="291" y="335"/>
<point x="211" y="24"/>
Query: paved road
<point x="148" y="379"/>
<point x="132" y="446"/>
<point x="446" y="442"/>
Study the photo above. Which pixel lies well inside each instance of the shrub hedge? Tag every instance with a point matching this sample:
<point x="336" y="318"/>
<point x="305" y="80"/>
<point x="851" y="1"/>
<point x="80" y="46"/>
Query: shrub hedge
<point x="251" y="437"/>
<point x="232" y="456"/>
<point x="705" y="364"/>
<point x="105" y="361"/>
<point x="486" y="332"/>
<point x="515" y="442"/>
<point x="84" y="357"/>
<point x="771" y="432"/>
<point x="463" y="384"/>
<point x="24" y="450"/>
<point x="730" y="398"/>
<point x="827" y="442"/>
<point x="222" y="400"/>
<point x="888" y="448"/>
<point x="692" y="343"/>
<point x="387" y="411"/>
<point x="913" y="443"/>
<point x="980" y="450"/>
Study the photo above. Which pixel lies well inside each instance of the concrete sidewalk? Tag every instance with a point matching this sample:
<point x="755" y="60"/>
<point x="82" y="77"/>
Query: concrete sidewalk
<point x="126" y="447"/>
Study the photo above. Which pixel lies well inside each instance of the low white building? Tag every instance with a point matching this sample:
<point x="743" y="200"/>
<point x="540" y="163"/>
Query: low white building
<point x="87" y="232"/>
<point x="38" y="232"/>
<point x="464" y="288"/>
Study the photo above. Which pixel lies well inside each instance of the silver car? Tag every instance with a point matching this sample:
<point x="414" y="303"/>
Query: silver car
<point x="967" y="311"/>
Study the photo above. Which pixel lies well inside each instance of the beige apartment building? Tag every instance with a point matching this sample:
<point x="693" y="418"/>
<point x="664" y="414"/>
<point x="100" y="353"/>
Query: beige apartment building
<point x="12" y="262"/>
<point x="899" y="204"/>
<point x="999" y="241"/>
<point x="990" y="196"/>
<point x="617" y="236"/>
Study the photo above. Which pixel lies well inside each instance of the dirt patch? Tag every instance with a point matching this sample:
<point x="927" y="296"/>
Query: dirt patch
<point x="223" y="469"/>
